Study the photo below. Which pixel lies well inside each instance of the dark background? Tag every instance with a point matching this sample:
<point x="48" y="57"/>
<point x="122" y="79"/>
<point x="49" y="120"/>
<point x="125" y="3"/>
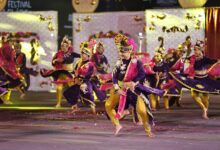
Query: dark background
<point x="65" y="9"/>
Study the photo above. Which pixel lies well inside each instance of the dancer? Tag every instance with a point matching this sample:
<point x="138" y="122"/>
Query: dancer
<point x="198" y="80"/>
<point x="126" y="74"/>
<point x="20" y="60"/>
<point x="175" y="61"/>
<point x="10" y="76"/>
<point x="100" y="60"/>
<point x="82" y="88"/>
<point x="63" y="68"/>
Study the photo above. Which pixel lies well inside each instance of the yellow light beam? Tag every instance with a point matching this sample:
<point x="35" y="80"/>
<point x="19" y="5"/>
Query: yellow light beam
<point x="24" y="17"/>
<point x="34" y="108"/>
<point x="6" y="26"/>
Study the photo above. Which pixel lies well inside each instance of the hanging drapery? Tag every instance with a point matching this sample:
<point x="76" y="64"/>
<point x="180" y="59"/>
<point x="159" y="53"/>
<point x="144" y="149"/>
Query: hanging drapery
<point x="213" y="32"/>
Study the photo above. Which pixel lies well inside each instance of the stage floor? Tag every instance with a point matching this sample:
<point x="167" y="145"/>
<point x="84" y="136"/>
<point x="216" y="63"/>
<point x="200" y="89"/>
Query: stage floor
<point x="34" y="124"/>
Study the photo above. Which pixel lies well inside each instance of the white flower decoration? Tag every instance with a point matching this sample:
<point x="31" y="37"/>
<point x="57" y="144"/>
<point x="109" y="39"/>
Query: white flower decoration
<point x="123" y="67"/>
<point x="118" y="63"/>
<point x="134" y="60"/>
<point x="84" y="88"/>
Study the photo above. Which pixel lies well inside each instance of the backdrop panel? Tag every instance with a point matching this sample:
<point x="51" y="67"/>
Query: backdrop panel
<point x="40" y="25"/>
<point x="174" y="25"/>
<point x="86" y="25"/>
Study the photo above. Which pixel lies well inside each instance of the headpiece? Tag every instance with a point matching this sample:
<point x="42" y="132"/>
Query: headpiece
<point x="100" y="44"/>
<point x="180" y="47"/>
<point x="85" y="49"/>
<point x="122" y="43"/>
<point x="199" y="44"/>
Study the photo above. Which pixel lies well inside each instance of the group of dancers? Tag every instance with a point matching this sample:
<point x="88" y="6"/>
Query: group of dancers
<point x="14" y="74"/>
<point x="137" y="81"/>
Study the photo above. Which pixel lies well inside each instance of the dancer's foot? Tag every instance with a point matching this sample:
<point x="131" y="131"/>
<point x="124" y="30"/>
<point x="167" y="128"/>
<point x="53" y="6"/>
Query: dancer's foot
<point x="117" y="129"/>
<point x="125" y="112"/>
<point x="74" y="108"/>
<point x="205" y="114"/>
<point x="8" y="102"/>
<point x="93" y="109"/>
<point x="22" y="96"/>
<point x="150" y="135"/>
<point x="153" y="124"/>
<point x="139" y="123"/>
<point x="58" y="105"/>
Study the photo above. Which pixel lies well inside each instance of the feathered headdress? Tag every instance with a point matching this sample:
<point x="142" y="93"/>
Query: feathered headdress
<point x="84" y="48"/>
<point x="122" y="43"/>
<point x="100" y="47"/>
<point x="180" y="47"/>
<point x="199" y="44"/>
<point x="157" y="54"/>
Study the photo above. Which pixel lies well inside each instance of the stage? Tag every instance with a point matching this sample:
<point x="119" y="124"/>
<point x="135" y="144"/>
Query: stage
<point x="33" y="123"/>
